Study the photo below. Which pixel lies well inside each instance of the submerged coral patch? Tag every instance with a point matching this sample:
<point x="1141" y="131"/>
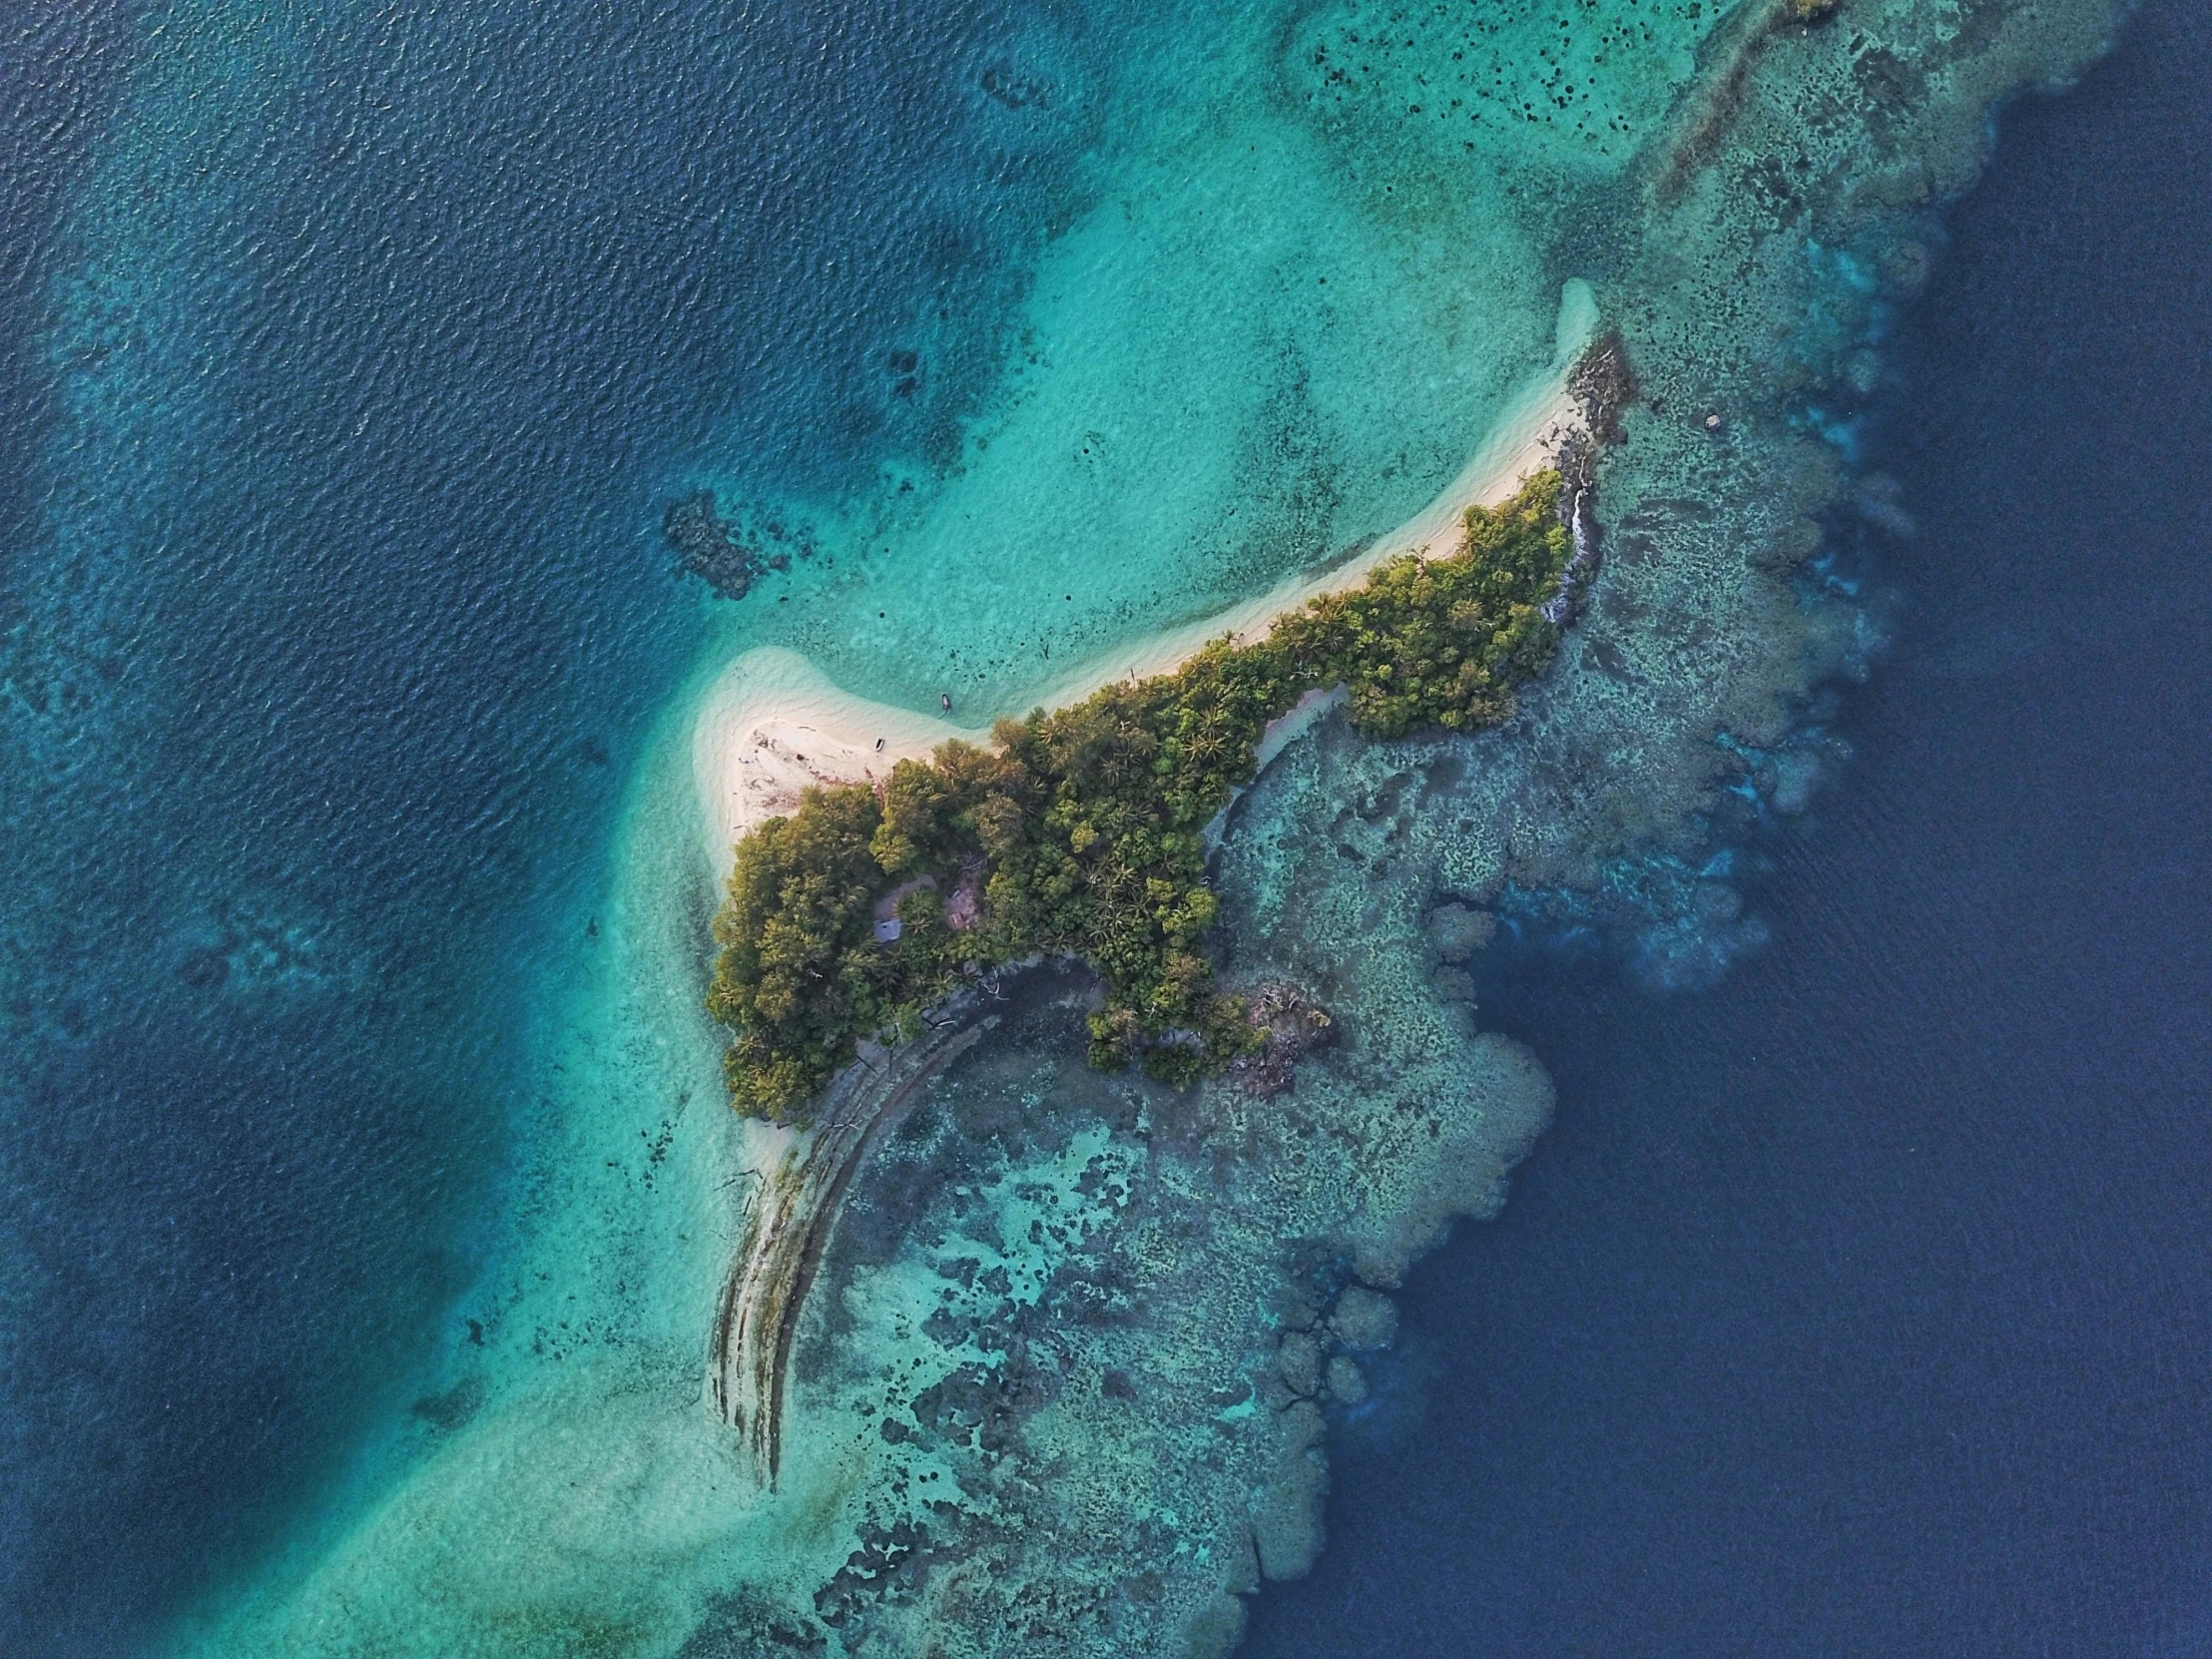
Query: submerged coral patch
<point x="1080" y="831"/>
<point x="1037" y="1330"/>
<point x="1048" y="1356"/>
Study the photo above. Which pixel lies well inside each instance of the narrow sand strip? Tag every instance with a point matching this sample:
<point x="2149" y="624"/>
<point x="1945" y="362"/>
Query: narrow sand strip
<point x="773" y="725"/>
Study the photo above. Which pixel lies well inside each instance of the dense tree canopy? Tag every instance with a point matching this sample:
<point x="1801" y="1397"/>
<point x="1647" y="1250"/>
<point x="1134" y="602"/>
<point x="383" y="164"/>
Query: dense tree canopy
<point x="1081" y="831"/>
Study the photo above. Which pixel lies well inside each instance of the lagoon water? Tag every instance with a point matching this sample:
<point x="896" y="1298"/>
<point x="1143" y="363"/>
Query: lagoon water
<point x="351" y="356"/>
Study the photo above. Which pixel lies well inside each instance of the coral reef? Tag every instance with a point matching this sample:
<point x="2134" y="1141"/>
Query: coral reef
<point x="709" y="544"/>
<point x="1044" y="1359"/>
<point x="1023" y="1326"/>
<point x="1084" y="827"/>
<point x="1112" y="1444"/>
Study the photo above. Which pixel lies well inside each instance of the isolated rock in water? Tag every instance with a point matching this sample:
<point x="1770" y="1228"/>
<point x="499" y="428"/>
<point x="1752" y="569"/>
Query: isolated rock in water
<point x="1294" y="1026"/>
<point x="1365" y="1320"/>
<point x="1453" y="984"/>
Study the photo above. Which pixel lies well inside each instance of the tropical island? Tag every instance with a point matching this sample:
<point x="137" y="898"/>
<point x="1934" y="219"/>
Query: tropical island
<point x="1083" y="831"/>
<point x="888" y="868"/>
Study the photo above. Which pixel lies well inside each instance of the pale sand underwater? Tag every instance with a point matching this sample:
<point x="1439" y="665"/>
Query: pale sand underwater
<point x="591" y="1498"/>
<point x="773" y="724"/>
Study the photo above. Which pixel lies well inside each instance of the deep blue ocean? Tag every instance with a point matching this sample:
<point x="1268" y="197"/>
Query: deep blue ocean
<point x="344" y="374"/>
<point x="1855" y="1304"/>
<point x="1862" y="1304"/>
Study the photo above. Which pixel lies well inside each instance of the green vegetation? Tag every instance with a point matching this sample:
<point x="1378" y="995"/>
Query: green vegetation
<point x="1081" y="831"/>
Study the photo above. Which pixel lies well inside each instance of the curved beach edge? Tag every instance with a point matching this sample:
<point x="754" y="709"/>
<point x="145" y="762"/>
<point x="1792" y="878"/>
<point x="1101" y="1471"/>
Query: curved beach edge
<point x="773" y="725"/>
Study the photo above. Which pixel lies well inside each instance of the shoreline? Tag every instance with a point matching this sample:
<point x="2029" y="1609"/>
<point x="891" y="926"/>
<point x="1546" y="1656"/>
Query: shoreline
<point x="792" y="1214"/>
<point x="773" y="725"/>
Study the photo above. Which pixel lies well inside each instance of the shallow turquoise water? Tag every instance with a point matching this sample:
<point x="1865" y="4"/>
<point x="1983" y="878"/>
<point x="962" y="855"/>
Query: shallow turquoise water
<point x="362" y="1130"/>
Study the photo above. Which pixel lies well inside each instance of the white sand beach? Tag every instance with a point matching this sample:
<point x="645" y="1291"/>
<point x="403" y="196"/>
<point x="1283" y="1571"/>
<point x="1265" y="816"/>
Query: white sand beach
<point x="772" y="723"/>
<point x="774" y="726"/>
